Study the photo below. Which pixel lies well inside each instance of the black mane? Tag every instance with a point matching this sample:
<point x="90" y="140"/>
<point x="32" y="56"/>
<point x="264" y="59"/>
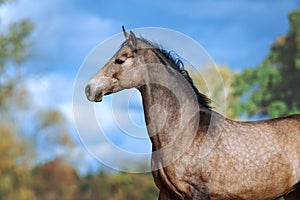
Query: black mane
<point x="177" y="64"/>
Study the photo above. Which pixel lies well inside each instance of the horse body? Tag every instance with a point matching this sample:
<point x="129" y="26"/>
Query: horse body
<point x="238" y="168"/>
<point x="198" y="153"/>
<point x="251" y="160"/>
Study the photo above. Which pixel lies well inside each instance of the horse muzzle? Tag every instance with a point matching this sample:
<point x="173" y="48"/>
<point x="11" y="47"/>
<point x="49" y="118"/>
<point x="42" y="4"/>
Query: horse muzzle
<point x="95" y="90"/>
<point x="94" y="95"/>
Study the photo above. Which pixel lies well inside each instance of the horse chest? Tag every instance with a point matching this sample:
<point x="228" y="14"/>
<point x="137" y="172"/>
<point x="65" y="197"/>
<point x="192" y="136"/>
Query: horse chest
<point x="165" y="180"/>
<point x="179" y="182"/>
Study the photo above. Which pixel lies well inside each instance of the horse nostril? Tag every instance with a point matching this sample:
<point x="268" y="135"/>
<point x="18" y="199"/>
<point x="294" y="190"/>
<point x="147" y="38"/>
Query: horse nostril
<point x="88" y="91"/>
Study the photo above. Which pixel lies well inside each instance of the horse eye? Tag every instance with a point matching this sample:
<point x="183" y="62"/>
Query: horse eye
<point x="119" y="61"/>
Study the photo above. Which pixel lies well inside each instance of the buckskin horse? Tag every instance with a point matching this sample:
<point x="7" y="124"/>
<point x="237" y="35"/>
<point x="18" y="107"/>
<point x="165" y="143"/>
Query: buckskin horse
<point x="196" y="152"/>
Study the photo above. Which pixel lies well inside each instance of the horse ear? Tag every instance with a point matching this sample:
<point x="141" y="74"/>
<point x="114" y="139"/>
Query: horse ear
<point x="126" y="35"/>
<point x="132" y="39"/>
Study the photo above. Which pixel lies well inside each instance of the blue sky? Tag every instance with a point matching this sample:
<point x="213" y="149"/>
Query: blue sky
<point x="236" y="33"/>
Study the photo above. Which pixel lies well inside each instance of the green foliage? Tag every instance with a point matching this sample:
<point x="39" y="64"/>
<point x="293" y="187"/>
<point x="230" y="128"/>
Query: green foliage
<point x="5" y="1"/>
<point x="117" y="186"/>
<point x="272" y="88"/>
<point x="14" y="45"/>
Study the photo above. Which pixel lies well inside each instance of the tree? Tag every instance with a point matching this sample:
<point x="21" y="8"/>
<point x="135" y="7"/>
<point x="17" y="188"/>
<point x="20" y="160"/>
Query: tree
<point x="16" y="151"/>
<point x="50" y="133"/>
<point x="272" y="88"/>
<point x="55" y="180"/>
<point x="14" y="45"/>
<point x="13" y="166"/>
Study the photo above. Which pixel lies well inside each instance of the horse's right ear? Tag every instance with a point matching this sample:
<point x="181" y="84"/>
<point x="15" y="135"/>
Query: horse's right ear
<point x="132" y="39"/>
<point x="126" y="35"/>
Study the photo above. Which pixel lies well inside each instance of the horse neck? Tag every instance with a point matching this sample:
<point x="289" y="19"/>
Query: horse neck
<point x="170" y="106"/>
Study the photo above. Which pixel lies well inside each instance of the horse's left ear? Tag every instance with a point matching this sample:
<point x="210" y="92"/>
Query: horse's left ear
<point x="132" y="39"/>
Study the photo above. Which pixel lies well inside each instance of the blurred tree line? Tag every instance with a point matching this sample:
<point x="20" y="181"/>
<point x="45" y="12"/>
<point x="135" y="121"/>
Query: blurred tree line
<point x="270" y="89"/>
<point x="18" y="146"/>
<point x="58" y="180"/>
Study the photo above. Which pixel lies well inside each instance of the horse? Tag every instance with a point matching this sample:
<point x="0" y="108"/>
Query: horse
<point x="198" y="153"/>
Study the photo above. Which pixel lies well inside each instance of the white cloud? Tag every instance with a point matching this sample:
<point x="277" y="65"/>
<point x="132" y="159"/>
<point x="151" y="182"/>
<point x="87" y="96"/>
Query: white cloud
<point x="50" y="90"/>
